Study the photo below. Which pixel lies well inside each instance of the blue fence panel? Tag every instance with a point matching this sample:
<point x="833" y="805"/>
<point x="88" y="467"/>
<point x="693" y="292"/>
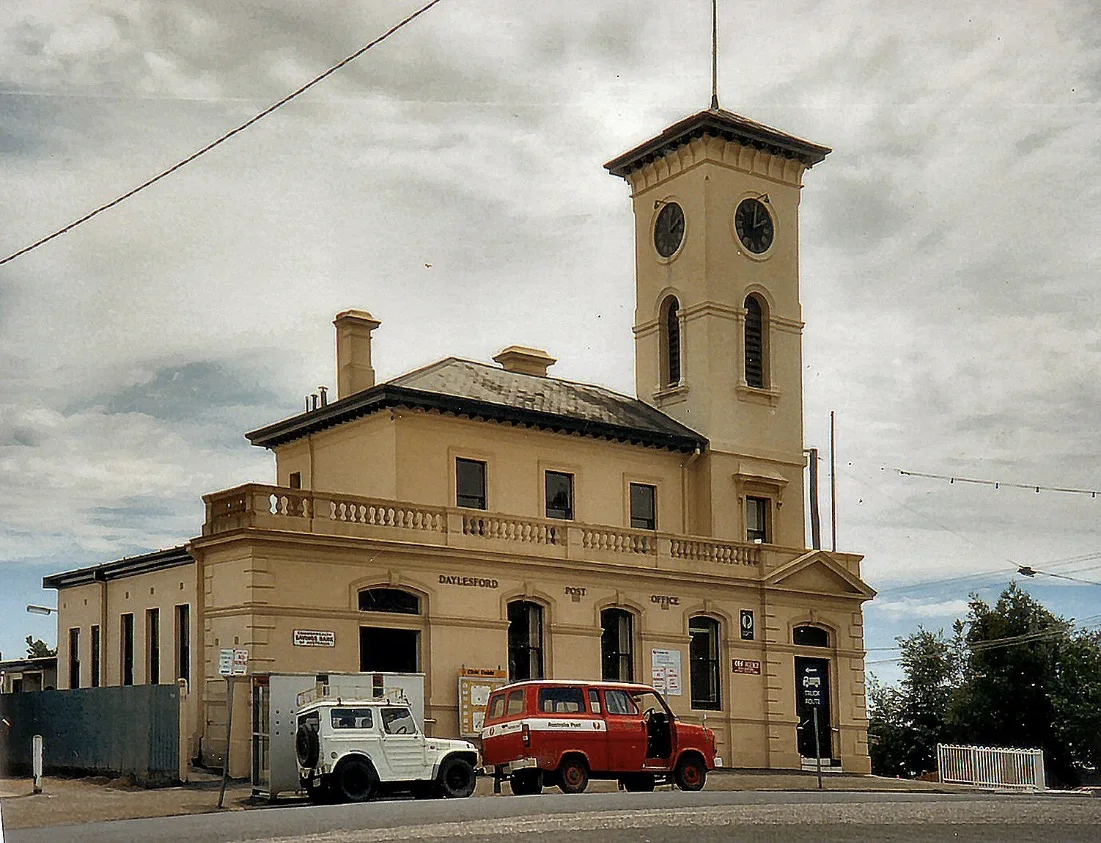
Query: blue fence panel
<point x="132" y="730"/>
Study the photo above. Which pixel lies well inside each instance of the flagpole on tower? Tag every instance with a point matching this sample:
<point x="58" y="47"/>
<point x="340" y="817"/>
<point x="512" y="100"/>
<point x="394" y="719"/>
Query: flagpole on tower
<point x="714" y="54"/>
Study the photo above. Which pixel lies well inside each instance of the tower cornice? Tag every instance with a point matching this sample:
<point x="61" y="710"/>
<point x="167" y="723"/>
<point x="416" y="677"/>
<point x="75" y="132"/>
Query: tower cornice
<point x="721" y="125"/>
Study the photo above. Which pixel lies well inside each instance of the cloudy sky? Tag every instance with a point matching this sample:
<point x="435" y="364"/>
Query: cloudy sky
<point x="450" y="181"/>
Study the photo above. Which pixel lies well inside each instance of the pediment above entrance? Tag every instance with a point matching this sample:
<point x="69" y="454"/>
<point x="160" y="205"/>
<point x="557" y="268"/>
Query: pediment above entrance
<point x="818" y="572"/>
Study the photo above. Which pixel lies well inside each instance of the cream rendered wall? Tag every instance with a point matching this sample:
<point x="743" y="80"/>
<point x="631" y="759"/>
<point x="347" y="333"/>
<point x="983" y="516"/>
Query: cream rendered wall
<point x="82" y="606"/>
<point x="260" y="589"/>
<point x="711" y="276"/>
<point x="356" y="458"/>
<point x="517" y="458"/>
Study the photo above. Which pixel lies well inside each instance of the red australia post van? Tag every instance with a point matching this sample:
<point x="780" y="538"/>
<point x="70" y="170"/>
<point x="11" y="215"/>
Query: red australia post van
<point x="558" y="732"/>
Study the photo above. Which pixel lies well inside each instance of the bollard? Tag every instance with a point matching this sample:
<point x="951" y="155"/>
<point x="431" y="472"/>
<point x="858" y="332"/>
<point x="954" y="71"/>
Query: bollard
<point x="36" y="762"/>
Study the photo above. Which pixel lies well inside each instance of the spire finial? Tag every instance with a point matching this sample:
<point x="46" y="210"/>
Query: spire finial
<point x="714" y="54"/>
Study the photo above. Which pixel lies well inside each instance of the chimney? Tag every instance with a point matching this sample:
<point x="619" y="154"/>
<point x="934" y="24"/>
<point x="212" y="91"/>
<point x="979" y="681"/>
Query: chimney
<point x="353" y="352"/>
<point x="526" y="361"/>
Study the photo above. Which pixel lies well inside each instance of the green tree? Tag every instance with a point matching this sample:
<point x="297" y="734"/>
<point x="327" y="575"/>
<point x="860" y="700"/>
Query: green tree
<point x="37" y="649"/>
<point x="1029" y="681"/>
<point x="906" y="723"/>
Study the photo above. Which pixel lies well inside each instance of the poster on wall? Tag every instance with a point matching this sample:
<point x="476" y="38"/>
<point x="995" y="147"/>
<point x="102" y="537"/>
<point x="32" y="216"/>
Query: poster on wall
<point x="666" y="672"/>
<point x="475" y="686"/>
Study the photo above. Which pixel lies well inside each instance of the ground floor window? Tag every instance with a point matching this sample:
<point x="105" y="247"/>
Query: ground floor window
<point x="126" y="648"/>
<point x="153" y="646"/>
<point x="385" y="650"/>
<point x="183" y="642"/>
<point x="96" y="644"/>
<point x="704" y="658"/>
<point x="525" y="640"/>
<point x="616" y="646"/>
<point x="74" y="657"/>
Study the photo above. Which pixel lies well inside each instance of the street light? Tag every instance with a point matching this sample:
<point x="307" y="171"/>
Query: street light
<point x="41" y="610"/>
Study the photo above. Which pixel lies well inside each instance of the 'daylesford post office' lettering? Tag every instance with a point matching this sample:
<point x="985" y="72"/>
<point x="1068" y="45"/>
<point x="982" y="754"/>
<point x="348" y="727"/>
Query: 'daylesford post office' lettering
<point x="664" y="600"/>
<point x="472" y="582"/>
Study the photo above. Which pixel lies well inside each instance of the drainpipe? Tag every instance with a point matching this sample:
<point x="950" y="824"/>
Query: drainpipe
<point x="815" y="524"/>
<point x="684" y="488"/>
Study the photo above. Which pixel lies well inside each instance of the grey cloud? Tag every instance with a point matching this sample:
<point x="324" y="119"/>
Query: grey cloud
<point x="188" y="392"/>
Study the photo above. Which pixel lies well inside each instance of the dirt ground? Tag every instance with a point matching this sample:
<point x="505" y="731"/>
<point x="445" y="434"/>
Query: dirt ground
<point x="69" y="801"/>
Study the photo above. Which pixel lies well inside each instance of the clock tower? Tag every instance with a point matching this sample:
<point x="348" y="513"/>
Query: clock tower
<point x="718" y="325"/>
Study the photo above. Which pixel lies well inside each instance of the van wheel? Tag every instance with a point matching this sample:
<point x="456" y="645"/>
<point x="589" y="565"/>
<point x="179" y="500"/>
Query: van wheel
<point x="691" y="774"/>
<point x="638" y="782"/>
<point x="456" y="778"/>
<point x="527" y="782"/>
<point x="356" y="780"/>
<point x="573" y="775"/>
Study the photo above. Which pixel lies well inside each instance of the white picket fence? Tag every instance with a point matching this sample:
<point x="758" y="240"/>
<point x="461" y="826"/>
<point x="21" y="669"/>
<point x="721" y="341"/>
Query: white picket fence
<point x="996" y="767"/>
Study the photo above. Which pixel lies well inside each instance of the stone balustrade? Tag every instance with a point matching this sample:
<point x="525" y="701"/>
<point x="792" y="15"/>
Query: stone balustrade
<point x="320" y="513"/>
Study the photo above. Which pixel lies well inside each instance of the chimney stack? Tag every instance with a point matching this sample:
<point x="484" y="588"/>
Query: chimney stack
<point x="526" y="361"/>
<point x="353" y="352"/>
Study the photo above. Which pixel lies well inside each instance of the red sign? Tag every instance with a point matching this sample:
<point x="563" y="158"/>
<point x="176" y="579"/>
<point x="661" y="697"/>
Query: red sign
<point x="748" y="666"/>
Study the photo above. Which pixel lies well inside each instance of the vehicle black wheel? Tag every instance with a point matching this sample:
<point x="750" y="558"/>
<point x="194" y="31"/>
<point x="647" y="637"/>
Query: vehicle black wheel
<point x="456" y="778"/>
<point x="306" y="746"/>
<point x="573" y="776"/>
<point x="356" y="780"/>
<point x="691" y="774"/>
<point x="527" y="782"/>
<point x="638" y="782"/>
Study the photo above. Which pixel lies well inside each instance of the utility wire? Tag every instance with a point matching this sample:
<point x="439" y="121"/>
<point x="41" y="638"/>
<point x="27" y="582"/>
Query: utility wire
<point x="180" y="164"/>
<point x="997" y="484"/>
<point x="1012" y="641"/>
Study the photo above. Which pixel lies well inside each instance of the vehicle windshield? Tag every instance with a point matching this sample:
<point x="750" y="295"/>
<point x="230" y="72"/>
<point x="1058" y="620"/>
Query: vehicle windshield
<point x="647" y="701"/>
<point x="398" y="721"/>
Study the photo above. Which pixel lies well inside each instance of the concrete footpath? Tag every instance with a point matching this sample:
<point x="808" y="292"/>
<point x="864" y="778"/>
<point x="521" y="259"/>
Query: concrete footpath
<point x="86" y="800"/>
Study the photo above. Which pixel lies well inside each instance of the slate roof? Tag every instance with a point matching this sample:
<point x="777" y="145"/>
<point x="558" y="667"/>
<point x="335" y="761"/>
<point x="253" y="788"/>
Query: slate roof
<point x="478" y="390"/>
<point x="718" y="122"/>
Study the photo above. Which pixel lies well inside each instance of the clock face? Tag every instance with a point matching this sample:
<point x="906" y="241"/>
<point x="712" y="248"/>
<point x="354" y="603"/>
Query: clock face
<point x="753" y="225"/>
<point x="669" y="229"/>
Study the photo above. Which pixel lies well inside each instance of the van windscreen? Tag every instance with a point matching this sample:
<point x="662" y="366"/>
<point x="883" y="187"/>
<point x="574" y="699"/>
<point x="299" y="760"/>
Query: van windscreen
<point x="555" y="700"/>
<point x="496" y="706"/>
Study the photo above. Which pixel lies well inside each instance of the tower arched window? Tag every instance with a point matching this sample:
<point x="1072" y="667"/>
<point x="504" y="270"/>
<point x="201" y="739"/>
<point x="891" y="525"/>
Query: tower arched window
<point x="670" y="342"/>
<point x="756" y="339"/>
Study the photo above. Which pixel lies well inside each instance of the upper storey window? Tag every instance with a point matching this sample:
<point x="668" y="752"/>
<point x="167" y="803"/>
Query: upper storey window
<point x="559" y="494"/>
<point x="470" y="483"/>
<point x="755" y="347"/>
<point x="670" y="342"/>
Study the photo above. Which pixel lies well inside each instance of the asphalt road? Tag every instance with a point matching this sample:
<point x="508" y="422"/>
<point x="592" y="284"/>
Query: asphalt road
<point x="619" y="817"/>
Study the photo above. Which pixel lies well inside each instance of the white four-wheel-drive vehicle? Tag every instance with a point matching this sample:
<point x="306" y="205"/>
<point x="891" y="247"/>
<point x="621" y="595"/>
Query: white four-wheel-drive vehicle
<point x="351" y="750"/>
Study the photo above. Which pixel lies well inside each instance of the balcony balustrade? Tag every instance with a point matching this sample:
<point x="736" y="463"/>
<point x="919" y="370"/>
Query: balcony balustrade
<point x="278" y="508"/>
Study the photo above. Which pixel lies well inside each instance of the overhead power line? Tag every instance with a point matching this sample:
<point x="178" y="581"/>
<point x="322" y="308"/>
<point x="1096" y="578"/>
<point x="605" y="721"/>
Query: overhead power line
<point x="183" y="163"/>
<point x="1029" y="639"/>
<point x="998" y="484"/>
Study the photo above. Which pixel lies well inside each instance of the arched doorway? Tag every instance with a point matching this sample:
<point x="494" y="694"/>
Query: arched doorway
<point x="812" y="692"/>
<point x="390" y="641"/>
